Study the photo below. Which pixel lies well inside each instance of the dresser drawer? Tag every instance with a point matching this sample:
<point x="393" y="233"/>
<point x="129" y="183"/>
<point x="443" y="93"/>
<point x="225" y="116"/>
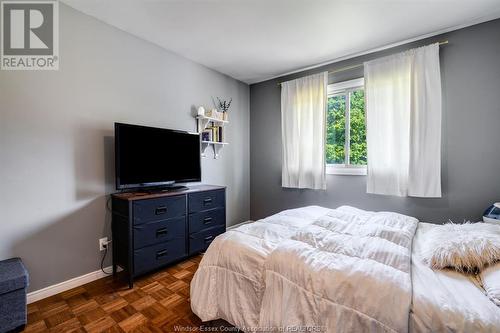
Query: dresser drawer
<point x="200" y="241"/>
<point x="206" y="219"/>
<point x="152" y="257"/>
<point x="159" y="231"/>
<point x="159" y="209"/>
<point x="206" y="200"/>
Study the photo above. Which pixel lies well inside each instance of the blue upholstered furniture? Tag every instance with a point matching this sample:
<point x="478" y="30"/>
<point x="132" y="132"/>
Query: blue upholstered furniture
<point x="13" y="284"/>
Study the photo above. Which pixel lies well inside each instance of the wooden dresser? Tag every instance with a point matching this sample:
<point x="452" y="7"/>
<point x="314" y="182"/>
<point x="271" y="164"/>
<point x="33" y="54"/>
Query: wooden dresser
<point x="152" y="230"/>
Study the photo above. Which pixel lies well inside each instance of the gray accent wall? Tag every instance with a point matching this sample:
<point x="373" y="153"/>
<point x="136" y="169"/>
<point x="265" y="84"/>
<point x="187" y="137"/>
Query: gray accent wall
<point x="470" y="68"/>
<point x="56" y="141"/>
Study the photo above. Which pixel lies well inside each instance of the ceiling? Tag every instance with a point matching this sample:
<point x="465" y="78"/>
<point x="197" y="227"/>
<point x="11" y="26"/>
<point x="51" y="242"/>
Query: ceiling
<point x="254" y="40"/>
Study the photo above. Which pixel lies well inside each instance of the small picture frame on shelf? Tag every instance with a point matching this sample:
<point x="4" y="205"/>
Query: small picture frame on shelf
<point x="206" y="135"/>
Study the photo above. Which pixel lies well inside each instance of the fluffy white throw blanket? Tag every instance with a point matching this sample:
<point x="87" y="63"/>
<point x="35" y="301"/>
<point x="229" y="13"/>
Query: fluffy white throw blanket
<point x="468" y="247"/>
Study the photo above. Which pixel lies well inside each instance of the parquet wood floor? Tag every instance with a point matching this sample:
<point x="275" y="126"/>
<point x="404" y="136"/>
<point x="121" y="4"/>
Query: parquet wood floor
<point x="159" y="302"/>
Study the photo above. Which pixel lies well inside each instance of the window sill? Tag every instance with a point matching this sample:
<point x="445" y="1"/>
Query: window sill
<point x="333" y="169"/>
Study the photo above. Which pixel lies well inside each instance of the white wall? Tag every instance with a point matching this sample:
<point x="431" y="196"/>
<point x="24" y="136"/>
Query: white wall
<point x="56" y="140"/>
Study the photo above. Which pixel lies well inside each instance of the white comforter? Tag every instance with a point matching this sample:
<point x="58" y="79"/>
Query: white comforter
<point x="349" y="271"/>
<point x="229" y="282"/>
<point x="257" y="276"/>
<point x="343" y="270"/>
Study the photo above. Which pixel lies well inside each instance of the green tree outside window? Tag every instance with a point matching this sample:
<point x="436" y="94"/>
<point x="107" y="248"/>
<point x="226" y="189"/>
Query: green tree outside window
<point x="336" y="128"/>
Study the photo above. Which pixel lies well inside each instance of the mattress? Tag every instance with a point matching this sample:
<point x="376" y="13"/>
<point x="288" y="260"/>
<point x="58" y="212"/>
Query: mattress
<point x="447" y="301"/>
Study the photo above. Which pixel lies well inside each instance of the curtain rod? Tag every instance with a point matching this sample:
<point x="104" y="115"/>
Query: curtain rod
<point x="343" y="69"/>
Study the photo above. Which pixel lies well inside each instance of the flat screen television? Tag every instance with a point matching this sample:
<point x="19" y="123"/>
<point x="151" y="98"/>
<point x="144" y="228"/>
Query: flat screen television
<point x="155" y="157"/>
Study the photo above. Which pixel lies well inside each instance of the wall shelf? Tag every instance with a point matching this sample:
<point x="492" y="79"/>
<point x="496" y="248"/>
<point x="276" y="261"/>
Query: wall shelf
<point x="204" y="123"/>
<point x="214" y="143"/>
<point x="216" y="146"/>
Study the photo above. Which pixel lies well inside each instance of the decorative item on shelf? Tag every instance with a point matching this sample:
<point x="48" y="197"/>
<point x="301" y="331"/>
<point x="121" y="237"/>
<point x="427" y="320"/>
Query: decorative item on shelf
<point x="217" y="134"/>
<point x="206" y="135"/>
<point x="224" y="107"/>
<point x="213" y="113"/>
<point x="214" y="134"/>
<point x="209" y="113"/>
<point x="201" y="111"/>
<point x="221" y="136"/>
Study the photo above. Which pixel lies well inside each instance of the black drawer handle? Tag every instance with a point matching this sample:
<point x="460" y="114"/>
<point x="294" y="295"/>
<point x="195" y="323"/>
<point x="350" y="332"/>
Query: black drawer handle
<point x="161" y="210"/>
<point x="161" y="232"/>
<point x="208" y="239"/>
<point x="161" y="254"/>
<point x="207" y="201"/>
<point x="207" y="220"/>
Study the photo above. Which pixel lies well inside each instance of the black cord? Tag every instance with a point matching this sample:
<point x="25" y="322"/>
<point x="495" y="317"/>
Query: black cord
<point x="108" y="207"/>
<point x="102" y="260"/>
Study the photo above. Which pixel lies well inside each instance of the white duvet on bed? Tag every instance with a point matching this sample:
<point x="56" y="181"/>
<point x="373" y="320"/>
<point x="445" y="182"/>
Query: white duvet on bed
<point x="229" y="281"/>
<point x="345" y="269"/>
<point x="349" y="271"/>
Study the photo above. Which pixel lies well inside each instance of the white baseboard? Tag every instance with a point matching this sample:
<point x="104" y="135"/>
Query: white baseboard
<point x="79" y="280"/>
<point x="66" y="285"/>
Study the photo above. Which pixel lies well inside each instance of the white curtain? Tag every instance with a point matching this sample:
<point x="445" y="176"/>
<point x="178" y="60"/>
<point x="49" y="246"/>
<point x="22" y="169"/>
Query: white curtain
<point x="403" y="114"/>
<point x="303" y="126"/>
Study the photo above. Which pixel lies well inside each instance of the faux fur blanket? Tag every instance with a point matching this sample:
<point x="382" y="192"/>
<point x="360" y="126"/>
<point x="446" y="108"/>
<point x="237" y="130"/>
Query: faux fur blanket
<point x="467" y="248"/>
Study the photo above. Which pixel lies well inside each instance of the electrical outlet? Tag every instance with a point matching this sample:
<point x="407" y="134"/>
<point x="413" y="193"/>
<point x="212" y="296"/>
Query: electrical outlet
<point x="103" y="243"/>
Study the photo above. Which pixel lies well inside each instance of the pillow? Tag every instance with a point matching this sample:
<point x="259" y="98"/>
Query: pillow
<point x="467" y="248"/>
<point x="490" y="278"/>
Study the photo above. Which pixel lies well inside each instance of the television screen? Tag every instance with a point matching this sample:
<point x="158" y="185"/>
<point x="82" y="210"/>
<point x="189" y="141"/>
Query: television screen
<point x="149" y="156"/>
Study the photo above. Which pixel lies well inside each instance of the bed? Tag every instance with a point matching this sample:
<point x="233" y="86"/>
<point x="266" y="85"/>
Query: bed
<point x="331" y="270"/>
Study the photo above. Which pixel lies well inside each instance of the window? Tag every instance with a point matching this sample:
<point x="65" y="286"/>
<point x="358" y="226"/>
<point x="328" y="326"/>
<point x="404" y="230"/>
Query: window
<point x="346" y="128"/>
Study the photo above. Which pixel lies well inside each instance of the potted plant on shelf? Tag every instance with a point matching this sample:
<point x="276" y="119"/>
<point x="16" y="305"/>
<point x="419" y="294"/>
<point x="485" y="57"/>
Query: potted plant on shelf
<point x="224" y="106"/>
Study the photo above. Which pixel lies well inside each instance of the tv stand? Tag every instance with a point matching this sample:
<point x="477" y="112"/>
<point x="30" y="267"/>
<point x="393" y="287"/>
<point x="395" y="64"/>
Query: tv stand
<point x="153" y="230"/>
